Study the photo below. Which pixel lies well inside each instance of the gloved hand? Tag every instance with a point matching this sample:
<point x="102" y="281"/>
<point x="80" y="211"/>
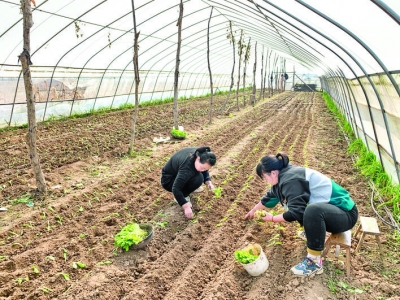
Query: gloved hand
<point x="188" y="210"/>
<point x="210" y="185"/>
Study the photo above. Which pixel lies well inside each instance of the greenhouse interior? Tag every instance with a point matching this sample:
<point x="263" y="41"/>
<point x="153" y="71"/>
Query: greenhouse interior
<point x="99" y="98"/>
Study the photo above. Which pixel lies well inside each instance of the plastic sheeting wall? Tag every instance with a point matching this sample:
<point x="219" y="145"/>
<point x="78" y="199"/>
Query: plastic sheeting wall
<point x="376" y="122"/>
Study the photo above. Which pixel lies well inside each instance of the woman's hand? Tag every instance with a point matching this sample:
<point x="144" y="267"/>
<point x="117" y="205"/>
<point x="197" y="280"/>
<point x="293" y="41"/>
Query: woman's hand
<point x="250" y="214"/>
<point x="267" y="218"/>
<point x="188" y="210"/>
<point x="210" y="185"/>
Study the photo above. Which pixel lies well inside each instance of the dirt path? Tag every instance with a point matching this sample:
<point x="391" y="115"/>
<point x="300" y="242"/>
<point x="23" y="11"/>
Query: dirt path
<point x="95" y="189"/>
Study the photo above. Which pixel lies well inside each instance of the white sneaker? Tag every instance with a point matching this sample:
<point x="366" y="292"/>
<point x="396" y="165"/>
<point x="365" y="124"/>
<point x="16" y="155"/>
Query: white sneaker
<point x="199" y="190"/>
<point x="187" y="199"/>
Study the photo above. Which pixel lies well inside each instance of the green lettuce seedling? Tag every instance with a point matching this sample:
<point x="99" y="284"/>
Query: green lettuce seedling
<point x="218" y="192"/>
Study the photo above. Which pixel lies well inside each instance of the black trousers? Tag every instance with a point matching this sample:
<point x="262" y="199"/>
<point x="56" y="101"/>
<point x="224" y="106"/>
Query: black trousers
<point x="320" y="218"/>
<point x="167" y="181"/>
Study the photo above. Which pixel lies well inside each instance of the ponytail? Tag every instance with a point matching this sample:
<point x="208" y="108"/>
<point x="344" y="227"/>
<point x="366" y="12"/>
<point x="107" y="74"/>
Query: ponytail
<point x="271" y="163"/>
<point x="206" y="156"/>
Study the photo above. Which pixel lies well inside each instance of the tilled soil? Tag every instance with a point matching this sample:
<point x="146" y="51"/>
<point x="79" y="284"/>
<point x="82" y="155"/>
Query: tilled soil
<point x="95" y="188"/>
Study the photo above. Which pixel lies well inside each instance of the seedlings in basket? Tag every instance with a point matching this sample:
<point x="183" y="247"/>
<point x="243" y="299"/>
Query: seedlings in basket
<point x="245" y="256"/>
<point x="130" y="235"/>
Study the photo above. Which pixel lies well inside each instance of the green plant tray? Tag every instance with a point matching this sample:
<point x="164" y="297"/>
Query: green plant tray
<point x="179" y="137"/>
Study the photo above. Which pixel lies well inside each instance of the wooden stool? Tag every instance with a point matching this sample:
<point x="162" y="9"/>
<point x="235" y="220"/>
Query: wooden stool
<point x="368" y="225"/>
<point x="342" y="239"/>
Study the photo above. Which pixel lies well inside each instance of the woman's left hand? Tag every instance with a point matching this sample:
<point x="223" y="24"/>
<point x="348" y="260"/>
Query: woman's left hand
<point x="210" y="185"/>
<point x="267" y="218"/>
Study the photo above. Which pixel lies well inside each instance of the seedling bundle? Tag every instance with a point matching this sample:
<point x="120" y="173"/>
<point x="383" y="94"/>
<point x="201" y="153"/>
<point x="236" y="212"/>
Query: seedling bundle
<point x="130" y="235"/>
<point x="248" y="254"/>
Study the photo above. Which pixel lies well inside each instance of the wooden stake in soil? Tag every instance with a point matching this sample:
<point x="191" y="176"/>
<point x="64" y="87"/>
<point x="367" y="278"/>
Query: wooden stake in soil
<point x="246" y="60"/>
<point x="178" y="51"/>
<point x="137" y="79"/>
<point x="240" y="51"/>
<point x="253" y="93"/>
<point x="26" y="62"/>
<point x="232" y="38"/>
<point x="209" y="67"/>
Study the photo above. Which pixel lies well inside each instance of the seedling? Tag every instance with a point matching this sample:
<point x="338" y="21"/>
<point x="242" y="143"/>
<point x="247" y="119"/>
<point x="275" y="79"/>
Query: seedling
<point x="161" y="224"/>
<point x="50" y="257"/>
<point x="45" y="290"/>
<point x="35" y="269"/>
<point x="65" y="254"/>
<point x="82" y="235"/>
<point x="106" y="262"/>
<point x="274" y="240"/>
<point x="12" y="232"/>
<point x="29" y="224"/>
<point x="48" y="226"/>
<point x="218" y="192"/>
<point x="65" y="275"/>
<point x="78" y="264"/>
<point x="59" y="220"/>
<point x="21" y="279"/>
<point x="24" y="199"/>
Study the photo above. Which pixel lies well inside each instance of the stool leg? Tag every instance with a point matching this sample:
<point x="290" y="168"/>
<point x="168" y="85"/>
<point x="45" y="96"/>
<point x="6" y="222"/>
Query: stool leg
<point x="361" y="241"/>
<point x="380" y="248"/>
<point x="358" y="230"/>
<point x="379" y="244"/>
<point x="348" y="259"/>
<point x="327" y="247"/>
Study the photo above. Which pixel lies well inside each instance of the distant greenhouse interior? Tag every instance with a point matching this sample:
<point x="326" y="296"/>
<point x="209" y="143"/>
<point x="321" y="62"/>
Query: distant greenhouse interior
<point x="82" y="56"/>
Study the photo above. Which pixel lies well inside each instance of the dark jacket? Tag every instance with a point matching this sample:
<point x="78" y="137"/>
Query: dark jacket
<point x="297" y="187"/>
<point x="180" y="169"/>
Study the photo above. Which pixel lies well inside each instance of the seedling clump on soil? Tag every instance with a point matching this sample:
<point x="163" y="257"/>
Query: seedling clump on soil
<point x="179" y="134"/>
<point x="130" y="235"/>
<point x="218" y="192"/>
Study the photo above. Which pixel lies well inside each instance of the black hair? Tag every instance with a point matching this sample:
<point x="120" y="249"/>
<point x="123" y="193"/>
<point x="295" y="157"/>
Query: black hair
<point x="270" y="163"/>
<point x="206" y="156"/>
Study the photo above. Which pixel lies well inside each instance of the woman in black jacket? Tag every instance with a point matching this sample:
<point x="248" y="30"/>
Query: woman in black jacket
<point x="309" y="197"/>
<point x="186" y="171"/>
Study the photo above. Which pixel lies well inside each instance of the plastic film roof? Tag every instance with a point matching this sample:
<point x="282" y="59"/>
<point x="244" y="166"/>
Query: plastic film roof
<point x="97" y="35"/>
